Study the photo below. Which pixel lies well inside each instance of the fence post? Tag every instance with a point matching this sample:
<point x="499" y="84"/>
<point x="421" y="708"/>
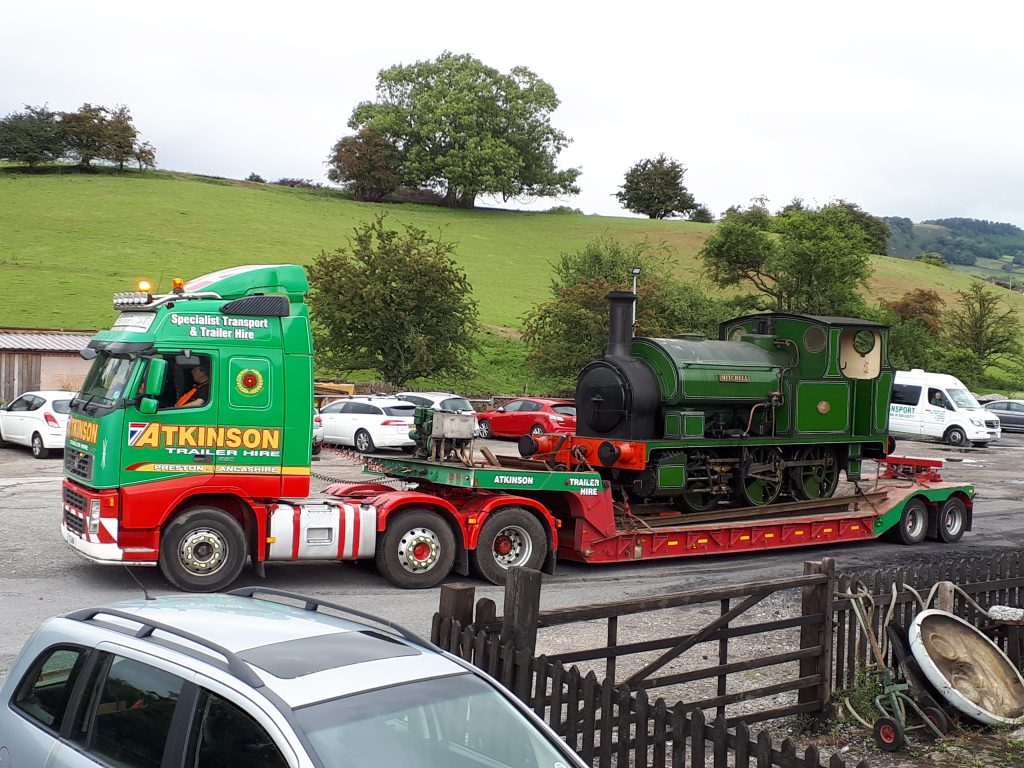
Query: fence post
<point x="522" y="608"/>
<point x="456" y="602"/>
<point x="817" y="599"/>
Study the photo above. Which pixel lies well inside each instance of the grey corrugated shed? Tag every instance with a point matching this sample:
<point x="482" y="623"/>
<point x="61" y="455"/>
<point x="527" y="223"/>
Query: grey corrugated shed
<point x="29" y="341"/>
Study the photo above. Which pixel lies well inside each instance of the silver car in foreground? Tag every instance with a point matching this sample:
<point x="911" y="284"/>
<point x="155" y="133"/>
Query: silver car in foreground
<point x="256" y="679"/>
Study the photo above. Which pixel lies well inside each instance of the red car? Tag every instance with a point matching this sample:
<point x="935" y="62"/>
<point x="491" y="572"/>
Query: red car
<point x="528" y="415"/>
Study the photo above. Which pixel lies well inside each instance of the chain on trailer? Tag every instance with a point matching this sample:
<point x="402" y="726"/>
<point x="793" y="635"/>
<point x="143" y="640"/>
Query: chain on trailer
<point x="367" y="462"/>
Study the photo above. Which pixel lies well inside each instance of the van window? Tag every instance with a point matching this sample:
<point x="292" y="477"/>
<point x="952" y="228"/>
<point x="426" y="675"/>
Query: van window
<point x="905" y="394"/>
<point x="963" y="398"/>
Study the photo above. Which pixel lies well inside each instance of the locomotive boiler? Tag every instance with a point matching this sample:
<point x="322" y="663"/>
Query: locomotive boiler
<point x="778" y="405"/>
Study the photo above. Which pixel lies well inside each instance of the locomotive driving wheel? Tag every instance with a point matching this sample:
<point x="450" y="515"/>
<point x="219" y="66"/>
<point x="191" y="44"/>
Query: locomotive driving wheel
<point x="760" y="479"/>
<point x="699" y="474"/>
<point x="818" y="474"/>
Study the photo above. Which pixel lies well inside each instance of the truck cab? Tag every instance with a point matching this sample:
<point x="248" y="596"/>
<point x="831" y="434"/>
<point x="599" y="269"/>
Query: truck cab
<point x="196" y="398"/>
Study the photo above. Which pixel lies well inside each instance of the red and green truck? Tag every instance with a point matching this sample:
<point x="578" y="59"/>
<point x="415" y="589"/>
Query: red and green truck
<point x="189" y="448"/>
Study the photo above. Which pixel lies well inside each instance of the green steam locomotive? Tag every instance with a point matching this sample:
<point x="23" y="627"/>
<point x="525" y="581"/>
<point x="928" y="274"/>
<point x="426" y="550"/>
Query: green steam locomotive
<point x="775" y="407"/>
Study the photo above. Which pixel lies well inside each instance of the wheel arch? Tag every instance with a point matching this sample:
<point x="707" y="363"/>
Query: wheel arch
<point x="233" y="505"/>
<point x="935" y="506"/>
<point x="495" y="504"/>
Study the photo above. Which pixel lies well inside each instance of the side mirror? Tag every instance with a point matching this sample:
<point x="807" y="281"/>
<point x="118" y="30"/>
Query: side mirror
<point x="88" y="353"/>
<point x="155" y="377"/>
<point x="501" y="409"/>
<point x="148" y="406"/>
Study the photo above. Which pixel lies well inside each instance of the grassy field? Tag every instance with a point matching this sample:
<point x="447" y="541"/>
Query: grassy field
<point x="67" y="242"/>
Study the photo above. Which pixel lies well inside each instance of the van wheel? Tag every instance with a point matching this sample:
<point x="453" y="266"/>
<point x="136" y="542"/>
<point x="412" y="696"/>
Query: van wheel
<point x="417" y="549"/>
<point x="509" y="537"/>
<point x="913" y="524"/>
<point x="955" y="436"/>
<point x="202" y="550"/>
<point x="952" y="520"/>
<point x="39" y="450"/>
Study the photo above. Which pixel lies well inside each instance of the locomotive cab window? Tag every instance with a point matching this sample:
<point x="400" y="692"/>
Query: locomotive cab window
<point x="860" y="353"/>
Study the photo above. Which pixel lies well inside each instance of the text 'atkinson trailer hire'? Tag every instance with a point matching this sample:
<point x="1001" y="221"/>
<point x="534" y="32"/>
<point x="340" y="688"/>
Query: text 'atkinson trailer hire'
<point x="189" y="448"/>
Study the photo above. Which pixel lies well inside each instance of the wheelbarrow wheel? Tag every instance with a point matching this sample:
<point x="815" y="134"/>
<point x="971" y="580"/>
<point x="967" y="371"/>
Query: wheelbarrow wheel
<point x="889" y="734"/>
<point x="937" y="718"/>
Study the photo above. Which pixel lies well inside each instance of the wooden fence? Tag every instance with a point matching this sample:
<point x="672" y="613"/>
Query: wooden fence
<point x="617" y="724"/>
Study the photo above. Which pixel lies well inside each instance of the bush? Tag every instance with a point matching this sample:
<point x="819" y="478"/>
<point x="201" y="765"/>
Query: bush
<point x="564" y="210"/>
<point x="299" y="183"/>
<point x="256" y="178"/>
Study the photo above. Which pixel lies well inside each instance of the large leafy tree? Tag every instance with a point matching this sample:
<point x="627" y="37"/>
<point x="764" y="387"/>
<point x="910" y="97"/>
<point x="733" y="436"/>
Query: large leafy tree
<point x="571" y="328"/>
<point x="121" y="135"/>
<point x="810" y="261"/>
<point x="86" y="133"/>
<point x="981" y="323"/>
<point x="368" y="163"/>
<point x="393" y="302"/>
<point x="654" y="188"/>
<point x="31" y="137"/>
<point x="468" y="129"/>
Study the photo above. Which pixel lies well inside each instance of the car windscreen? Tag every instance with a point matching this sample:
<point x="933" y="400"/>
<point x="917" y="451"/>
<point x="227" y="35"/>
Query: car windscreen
<point x="408" y="411"/>
<point x="448" y="722"/>
<point x="565" y="410"/>
<point x="61" y="406"/>
<point x="962" y="398"/>
<point x="456" y="404"/>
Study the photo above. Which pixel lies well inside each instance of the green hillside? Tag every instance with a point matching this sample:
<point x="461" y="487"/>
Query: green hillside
<point x="67" y="242"/>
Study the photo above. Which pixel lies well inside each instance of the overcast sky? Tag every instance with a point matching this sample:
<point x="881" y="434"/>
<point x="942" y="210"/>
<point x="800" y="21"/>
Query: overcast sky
<point x="906" y="108"/>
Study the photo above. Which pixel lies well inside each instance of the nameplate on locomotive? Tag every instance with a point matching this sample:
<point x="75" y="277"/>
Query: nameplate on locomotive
<point x="741" y="377"/>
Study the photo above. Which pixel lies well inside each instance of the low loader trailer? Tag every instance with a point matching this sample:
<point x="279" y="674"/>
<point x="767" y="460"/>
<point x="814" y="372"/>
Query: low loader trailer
<point x="189" y="448"/>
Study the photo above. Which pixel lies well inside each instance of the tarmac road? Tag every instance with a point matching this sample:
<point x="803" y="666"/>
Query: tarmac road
<point x="40" y="576"/>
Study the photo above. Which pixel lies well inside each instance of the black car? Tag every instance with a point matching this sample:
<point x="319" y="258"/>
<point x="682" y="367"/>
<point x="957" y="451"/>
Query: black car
<point x="1010" y="412"/>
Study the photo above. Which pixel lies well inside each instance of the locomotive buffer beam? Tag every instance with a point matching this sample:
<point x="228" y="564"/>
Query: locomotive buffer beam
<point x="788" y="509"/>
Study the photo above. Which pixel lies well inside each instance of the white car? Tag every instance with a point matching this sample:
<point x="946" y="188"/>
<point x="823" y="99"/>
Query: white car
<point x="369" y="423"/>
<point x="440" y="401"/>
<point x="38" y="420"/>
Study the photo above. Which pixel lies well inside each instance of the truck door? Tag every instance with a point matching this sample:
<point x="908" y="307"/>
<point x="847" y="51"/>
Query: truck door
<point x="935" y="412"/>
<point x="252" y="414"/>
<point x="176" y="440"/>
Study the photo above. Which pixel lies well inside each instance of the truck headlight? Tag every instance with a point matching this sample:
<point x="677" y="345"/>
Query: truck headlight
<point x="977" y="422"/>
<point x="94" y="516"/>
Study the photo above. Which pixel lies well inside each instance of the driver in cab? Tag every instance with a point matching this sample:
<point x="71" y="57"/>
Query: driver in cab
<point x="200" y="392"/>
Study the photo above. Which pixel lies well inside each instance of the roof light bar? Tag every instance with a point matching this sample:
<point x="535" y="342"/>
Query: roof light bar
<point x="130" y="299"/>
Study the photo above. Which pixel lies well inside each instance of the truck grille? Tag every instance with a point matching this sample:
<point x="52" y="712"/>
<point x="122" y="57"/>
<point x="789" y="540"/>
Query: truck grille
<point x="78" y="463"/>
<point x="992" y="423"/>
<point x="75" y="499"/>
<point x="74" y="523"/>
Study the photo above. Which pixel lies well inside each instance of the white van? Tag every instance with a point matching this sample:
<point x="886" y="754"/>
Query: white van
<point x="927" y="404"/>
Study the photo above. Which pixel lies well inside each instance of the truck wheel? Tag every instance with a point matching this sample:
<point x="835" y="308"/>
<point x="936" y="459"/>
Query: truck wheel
<point x="509" y="537"/>
<point x="364" y="443"/>
<point x="485" y="430"/>
<point x="417" y="549"/>
<point x="913" y="524"/>
<point x="39" y="450"/>
<point x="202" y="550"/>
<point x="952" y="520"/>
<point x="955" y="436"/>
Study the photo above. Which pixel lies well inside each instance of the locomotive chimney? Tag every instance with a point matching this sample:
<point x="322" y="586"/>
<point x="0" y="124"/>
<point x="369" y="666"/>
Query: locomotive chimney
<point x="620" y="323"/>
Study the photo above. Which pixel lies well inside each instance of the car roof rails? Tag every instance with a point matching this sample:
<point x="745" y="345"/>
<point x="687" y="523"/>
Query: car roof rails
<point x="235" y="665"/>
<point x="315" y="605"/>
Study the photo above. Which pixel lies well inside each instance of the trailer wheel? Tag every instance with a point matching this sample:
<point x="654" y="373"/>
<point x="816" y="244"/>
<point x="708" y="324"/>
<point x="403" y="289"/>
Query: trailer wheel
<point x="202" y="550"/>
<point x="913" y="524"/>
<point x="955" y="436"/>
<point x="509" y="537"/>
<point x="417" y="549"/>
<point x="952" y="520"/>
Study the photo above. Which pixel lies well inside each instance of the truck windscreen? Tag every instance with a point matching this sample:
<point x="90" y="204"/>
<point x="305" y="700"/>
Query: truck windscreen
<point x="106" y="382"/>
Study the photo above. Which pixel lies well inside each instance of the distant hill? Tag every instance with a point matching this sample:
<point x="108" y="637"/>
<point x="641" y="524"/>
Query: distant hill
<point x="959" y="241"/>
